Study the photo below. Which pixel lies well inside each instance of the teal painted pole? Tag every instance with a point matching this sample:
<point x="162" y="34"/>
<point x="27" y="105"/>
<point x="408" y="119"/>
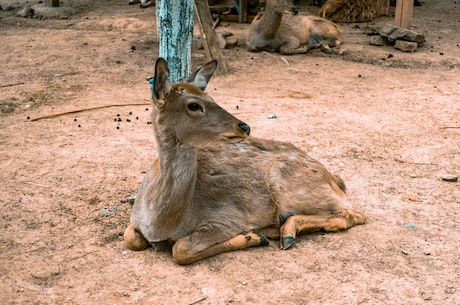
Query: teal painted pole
<point x="175" y="23"/>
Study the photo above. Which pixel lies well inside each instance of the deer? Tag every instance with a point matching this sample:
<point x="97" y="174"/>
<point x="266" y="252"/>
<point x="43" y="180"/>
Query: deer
<point x="213" y="188"/>
<point x="277" y="29"/>
<point x="343" y="11"/>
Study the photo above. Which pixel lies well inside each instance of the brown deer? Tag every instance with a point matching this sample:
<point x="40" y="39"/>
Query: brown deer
<point x="342" y="11"/>
<point x="277" y="30"/>
<point x="214" y="189"/>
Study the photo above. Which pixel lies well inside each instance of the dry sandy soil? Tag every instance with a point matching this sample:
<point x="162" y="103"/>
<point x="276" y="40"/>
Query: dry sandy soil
<point x="388" y="122"/>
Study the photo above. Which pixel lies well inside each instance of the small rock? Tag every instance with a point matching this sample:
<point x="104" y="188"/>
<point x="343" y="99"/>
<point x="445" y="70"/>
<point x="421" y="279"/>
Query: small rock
<point x="25" y="12"/>
<point x="449" y="178"/>
<point x="131" y="199"/>
<point x="393" y="32"/>
<point x="221" y="39"/>
<point x="387" y="29"/>
<point x="44" y="272"/>
<point x="406" y="46"/>
<point x="105" y="212"/>
<point x="231" y="42"/>
<point x="407" y="35"/>
<point x="272" y="116"/>
<point x="376" y="40"/>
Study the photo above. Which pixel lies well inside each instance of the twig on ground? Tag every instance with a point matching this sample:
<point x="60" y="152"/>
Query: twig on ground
<point x="36" y="184"/>
<point x="449" y="127"/>
<point x="266" y="53"/>
<point x="197" y="300"/>
<point x="86" y="109"/>
<point x="284" y="60"/>
<point x="416" y="163"/>
<point x="216" y="23"/>
<point x="11" y="85"/>
<point x="80" y="256"/>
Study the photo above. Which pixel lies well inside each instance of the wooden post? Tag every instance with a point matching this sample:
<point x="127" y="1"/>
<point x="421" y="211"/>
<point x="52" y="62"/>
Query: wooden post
<point x="243" y="11"/>
<point x="208" y="35"/>
<point x="175" y="21"/>
<point x="403" y="13"/>
<point x="52" y="3"/>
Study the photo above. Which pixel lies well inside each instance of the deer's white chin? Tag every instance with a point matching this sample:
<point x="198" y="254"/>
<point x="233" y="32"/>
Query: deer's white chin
<point x="233" y="139"/>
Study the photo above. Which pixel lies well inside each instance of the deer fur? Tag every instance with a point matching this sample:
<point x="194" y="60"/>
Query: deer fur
<point x="212" y="188"/>
<point x="274" y="30"/>
<point x="342" y="11"/>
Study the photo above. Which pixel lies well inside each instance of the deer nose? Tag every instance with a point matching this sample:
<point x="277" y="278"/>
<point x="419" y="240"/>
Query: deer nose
<point x="245" y="128"/>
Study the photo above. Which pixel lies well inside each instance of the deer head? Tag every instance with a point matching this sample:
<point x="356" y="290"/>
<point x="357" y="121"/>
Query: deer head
<point x="282" y="6"/>
<point x="186" y="113"/>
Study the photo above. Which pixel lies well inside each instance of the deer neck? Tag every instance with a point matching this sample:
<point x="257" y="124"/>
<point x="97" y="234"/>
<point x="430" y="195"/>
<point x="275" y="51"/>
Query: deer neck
<point x="270" y="23"/>
<point x="175" y="178"/>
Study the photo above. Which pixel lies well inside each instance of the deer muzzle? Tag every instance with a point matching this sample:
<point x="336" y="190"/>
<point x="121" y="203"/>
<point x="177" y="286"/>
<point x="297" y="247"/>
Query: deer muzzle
<point x="234" y="137"/>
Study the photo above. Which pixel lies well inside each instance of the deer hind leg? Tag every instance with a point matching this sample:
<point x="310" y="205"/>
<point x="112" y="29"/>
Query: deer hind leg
<point x="292" y="46"/>
<point x="190" y="249"/>
<point x="298" y="224"/>
<point x="286" y="50"/>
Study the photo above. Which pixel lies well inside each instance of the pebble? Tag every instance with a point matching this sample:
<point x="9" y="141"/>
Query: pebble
<point x="272" y="116"/>
<point x="405" y="46"/>
<point x="376" y="40"/>
<point x="105" y="212"/>
<point x="26" y="12"/>
<point x="449" y="178"/>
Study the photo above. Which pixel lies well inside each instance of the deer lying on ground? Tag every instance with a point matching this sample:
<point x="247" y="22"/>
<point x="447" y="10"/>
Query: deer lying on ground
<point x="274" y="30"/>
<point x="214" y="189"/>
<point x="354" y="10"/>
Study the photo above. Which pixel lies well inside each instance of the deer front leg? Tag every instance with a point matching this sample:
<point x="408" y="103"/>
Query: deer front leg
<point x="134" y="239"/>
<point x="192" y="247"/>
<point x="326" y="48"/>
<point x="297" y="224"/>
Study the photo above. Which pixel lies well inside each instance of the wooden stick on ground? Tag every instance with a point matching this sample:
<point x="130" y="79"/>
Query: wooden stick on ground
<point x="86" y="109"/>
<point x="11" y="85"/>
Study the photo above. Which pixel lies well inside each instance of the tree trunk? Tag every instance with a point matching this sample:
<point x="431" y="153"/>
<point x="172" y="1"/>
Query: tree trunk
<point x="175" y="23"/>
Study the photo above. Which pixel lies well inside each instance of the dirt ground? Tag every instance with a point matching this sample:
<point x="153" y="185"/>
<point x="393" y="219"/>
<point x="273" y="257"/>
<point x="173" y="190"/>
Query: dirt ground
<point x="387" y="122"/>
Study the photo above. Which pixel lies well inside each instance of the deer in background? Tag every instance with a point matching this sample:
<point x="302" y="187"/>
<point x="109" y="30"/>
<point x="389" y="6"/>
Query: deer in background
<point x="214" y="189"/>
<point x="354" y="10"/>
<point x="277" y="29"/>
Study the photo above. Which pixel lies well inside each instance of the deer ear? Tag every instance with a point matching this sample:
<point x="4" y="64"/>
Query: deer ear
<point x="201" y="77"/>
<point x="162" y="83"/>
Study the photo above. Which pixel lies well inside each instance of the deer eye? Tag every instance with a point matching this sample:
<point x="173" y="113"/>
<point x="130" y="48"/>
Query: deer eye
<point x="193" y="107"/>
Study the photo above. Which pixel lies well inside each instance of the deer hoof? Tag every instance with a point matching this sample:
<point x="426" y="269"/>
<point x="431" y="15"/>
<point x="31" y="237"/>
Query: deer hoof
<point x="286" y="242"/>
<point x="134" y="240"/>
<point x="263" y="240"/>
